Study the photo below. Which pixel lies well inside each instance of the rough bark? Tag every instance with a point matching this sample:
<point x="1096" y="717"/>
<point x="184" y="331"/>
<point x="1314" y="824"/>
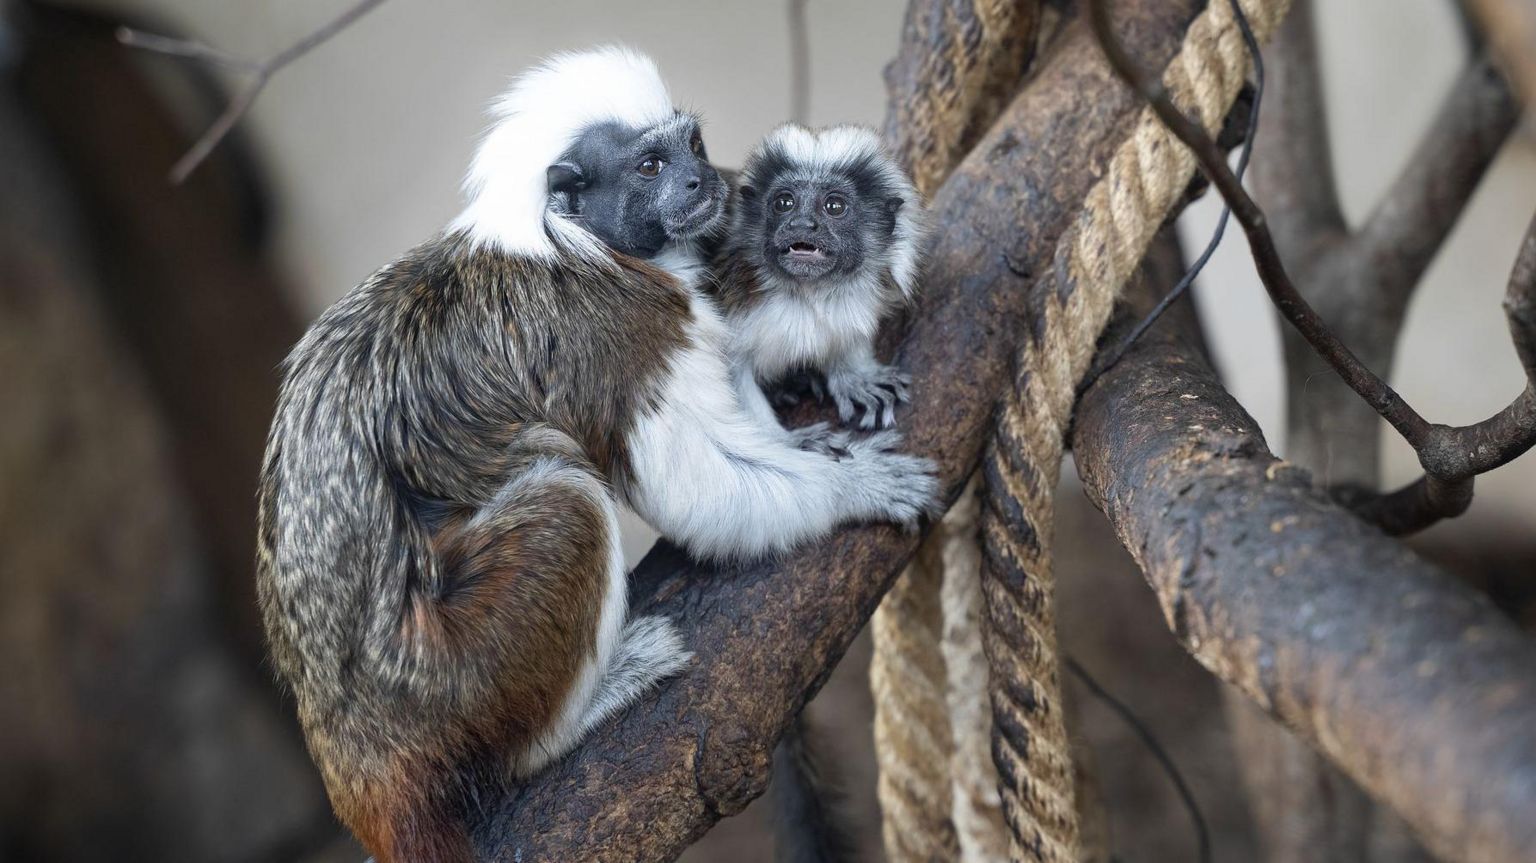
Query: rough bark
<point x="1413" y="684"/>
<point x="699" y="750"/>
<point x="1361" y="283"/>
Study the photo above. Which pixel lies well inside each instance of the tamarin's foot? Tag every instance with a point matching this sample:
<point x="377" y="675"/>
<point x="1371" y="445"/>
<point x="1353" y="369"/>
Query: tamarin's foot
<point x="874" y="392"/>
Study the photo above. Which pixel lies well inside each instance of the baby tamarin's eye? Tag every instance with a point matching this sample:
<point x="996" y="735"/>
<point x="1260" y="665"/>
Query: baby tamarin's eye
<point x="835" y="206"/>
<point x="783" y="202"/>
<point x="696" y="144"/>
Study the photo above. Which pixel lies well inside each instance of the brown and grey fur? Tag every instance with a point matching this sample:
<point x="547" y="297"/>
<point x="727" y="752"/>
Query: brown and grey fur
<point x="438" y="568"/>
<point x="434" y="541"/>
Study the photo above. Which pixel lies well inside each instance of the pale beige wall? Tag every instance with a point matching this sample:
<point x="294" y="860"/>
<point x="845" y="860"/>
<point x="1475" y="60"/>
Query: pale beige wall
<point x="367" y="138"/>
<point x="1387" y="64"/>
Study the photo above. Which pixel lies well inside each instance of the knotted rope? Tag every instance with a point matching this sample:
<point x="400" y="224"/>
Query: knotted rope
<point x="960" y="62"/>
<point x="1145" y="178"/>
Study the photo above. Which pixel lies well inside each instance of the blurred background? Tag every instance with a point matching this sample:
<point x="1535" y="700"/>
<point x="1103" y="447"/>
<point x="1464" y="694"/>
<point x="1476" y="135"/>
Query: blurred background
<point x="141" y="324"/>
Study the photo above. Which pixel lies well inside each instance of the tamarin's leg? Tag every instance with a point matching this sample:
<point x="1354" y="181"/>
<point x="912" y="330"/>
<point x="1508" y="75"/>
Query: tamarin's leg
<point x="649" y="651"/>
<point x="858" y="383"/>
<point x="515" y="649"/>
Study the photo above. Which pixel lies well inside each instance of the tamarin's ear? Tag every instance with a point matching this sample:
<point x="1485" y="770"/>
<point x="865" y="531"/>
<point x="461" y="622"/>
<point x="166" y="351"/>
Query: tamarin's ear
<point x="566" y="177"/>
<point x="747" y="192"/>
<point x="893" y="206"/>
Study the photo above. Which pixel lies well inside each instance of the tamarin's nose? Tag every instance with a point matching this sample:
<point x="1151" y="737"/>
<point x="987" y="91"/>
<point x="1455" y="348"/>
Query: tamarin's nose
<point x="803" y="223"/>
<point x="693" y="183"/>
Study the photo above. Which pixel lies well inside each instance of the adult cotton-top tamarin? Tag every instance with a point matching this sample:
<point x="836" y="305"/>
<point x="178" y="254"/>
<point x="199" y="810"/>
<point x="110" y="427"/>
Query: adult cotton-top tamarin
<point x="439" y="569"/>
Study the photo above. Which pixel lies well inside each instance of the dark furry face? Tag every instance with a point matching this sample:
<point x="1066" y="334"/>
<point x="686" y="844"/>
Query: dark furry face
<point x="637" y="190"/>
<point x="821" y="224"/>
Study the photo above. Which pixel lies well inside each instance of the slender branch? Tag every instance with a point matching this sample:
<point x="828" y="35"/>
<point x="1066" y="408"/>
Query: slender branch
<point x="1402" y="675"/>
<point x="1451" y="456"/>
<point x="1362" y="282"/>
<point x="799" y="63"/>
<point x="1295" y="165"/>
<point x="1410" y="223"/>
<point x="1272" y="272"/>
<point x="186" y="49"/>
<point x="259" y="72"/>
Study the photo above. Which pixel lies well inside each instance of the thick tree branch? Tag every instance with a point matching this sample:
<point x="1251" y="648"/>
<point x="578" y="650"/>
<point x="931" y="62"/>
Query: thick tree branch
<point x="1407" y="679"/>
<point x="766" y="635"/>
<point x="1455" y="456"/>
<point x="1294" y="166"/>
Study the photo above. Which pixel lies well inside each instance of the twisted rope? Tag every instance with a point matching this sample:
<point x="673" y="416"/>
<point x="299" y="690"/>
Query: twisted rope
<point x="912" y="734"/>
<point x="1122" y="212"/>
<point x="960" y="61"/>
<point x="976" y="806"/>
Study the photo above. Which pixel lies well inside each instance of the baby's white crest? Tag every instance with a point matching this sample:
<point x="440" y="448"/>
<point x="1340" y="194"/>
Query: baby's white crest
<point x="534" y="124"/>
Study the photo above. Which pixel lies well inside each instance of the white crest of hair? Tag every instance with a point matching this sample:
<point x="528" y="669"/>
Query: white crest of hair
<point x="845" y="148"/>
<point x="533" y="124"/>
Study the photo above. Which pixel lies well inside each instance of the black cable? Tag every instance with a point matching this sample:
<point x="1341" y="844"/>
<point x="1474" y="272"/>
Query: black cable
<point x="1182" y="287"/>
<point x="1202" y="832"/>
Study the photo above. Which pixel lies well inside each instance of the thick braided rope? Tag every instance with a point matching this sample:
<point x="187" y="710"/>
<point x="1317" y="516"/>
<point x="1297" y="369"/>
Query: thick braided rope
<point x="1096" y="256"/>
<point x="969" y="58"/>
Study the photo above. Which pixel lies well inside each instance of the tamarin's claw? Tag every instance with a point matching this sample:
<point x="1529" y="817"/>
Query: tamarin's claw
<point x="871" y="393"/>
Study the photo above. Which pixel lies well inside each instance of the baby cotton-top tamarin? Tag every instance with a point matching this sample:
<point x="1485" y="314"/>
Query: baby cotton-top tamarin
<point x="438" y="562"/>
<point x="824" y="244"/>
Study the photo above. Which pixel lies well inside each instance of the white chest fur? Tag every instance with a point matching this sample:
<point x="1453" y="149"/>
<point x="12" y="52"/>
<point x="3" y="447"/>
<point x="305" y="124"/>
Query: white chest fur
<point x="791" y="329"/>
<point x="683" y="262"/>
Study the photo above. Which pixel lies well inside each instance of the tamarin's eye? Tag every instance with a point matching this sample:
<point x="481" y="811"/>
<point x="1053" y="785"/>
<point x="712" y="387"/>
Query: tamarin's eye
<point x="650" y="166"/>
<point x="696" y="144"/>
<point x="783" y="202"/>
<point x="835" y="206"/>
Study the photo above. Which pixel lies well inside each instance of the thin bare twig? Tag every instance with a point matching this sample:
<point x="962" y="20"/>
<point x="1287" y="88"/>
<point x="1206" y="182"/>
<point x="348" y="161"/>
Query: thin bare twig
<point x="1451" y="456"/>
<point x="1272" y="272"/>
<point x="799" y="63"/>
<point x="1114" y="355"/>
<point x="259" y="73"/>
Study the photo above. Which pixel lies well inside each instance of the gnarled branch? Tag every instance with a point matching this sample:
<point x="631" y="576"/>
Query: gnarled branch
<point x="1407" y="679"/>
